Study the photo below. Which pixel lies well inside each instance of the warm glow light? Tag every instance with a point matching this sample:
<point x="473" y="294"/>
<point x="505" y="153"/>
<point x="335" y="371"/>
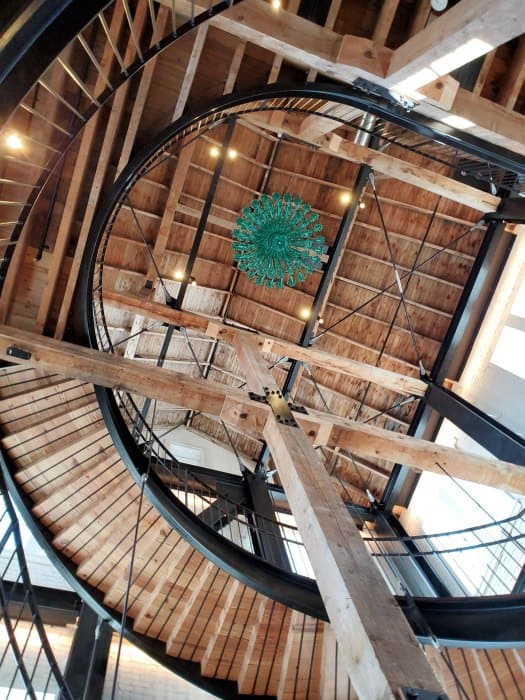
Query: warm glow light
<point x="305" y="313"/>
<point x="457" y="122"/>
<point x="362" y="205"/>
<point x="214" y="152"/>
<point x="193" y="281"/>
<point x="179" y="275"/>
<point x="232" y="153"/>
<point x="320" y="320"/>
<point x="463" y="54"/>
<point x="345" y="198"/>
<point x="276" y="4"/>
<point x="14" y="141"/>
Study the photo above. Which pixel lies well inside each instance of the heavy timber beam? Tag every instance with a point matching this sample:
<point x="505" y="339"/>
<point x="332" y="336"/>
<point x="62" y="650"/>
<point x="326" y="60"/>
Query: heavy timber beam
<point x="378" y="648"/>
<point x="390" y="166"/>
<point x="235" y="407"/>
<point x="391" y="380"/>
<point x="494" y="23"/>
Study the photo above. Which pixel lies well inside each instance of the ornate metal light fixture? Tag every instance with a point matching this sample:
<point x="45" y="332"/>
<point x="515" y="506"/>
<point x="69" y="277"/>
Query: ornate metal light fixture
<point x="275" y="241"/>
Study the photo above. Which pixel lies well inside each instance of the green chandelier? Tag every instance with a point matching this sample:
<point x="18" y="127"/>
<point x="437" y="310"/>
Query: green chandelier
<point x="276" y="241"/>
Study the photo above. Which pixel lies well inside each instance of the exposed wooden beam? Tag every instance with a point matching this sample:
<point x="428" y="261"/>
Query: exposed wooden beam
<point x="235" y="407"/>
<point x="379" y="651"/>
<point x="161" y="312"/>
<point x="191" y="69"/>
<point x="483" y="73"/>
<point x="393" y="167"/>
<point x="235" y="65"/>
<point x="493" y="23"/>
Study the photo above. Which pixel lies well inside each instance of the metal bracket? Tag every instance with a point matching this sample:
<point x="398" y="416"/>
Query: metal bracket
<point x="281" y="408"/>
<point x="20" y="354"/>
<point x="420" y="694"/>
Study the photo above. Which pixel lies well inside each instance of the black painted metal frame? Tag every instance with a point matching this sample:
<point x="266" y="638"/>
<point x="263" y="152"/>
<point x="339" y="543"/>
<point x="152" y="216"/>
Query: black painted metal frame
<point x="289" y="589"/>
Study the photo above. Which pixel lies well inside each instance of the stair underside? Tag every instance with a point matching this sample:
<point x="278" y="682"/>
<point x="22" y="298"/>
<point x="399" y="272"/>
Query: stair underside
<point x="81" y="491"/>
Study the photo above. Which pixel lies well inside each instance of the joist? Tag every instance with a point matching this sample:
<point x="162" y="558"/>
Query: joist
<point x="379" y="651"/>
<point x="160" y="312"/>
<point x="235" y="407"/>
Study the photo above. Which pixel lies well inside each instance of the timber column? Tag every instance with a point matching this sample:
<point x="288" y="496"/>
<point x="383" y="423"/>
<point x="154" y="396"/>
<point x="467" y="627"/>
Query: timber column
<point x="381" y="654"/>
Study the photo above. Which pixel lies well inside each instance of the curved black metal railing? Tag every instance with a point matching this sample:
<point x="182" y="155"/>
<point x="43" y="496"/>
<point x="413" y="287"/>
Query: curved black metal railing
<point x="27" y="661"/>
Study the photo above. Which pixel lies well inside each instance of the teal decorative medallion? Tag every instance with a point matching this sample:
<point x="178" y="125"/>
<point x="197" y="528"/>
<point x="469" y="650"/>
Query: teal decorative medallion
<point x="276" y="241"/>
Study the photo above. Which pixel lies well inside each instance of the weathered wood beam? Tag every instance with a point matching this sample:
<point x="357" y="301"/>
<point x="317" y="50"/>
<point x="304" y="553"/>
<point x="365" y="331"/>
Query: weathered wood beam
<point x="385" y="20"/>
<point x="393" y="167"/>
<point x="493" y="23"/>
<point x="513" y="81"/>
<point x="236" y="408"/>
<point x="161" y="312"/>
<point x="379" y="651"/>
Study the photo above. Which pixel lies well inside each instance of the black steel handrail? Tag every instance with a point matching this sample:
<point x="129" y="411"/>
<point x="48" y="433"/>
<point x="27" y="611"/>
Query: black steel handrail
<point x="26" y="664"/>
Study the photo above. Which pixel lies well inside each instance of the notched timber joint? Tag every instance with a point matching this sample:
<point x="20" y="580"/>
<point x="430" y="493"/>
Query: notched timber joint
<point x="20" y="354"/>
<point x="281" y="408"/>
<point x="420" y="694"/>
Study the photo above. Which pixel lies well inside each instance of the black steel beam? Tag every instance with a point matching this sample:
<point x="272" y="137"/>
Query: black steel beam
<point x="88" y="656"/>
<point x="455" y="349"/>
<point x="329" y="271"/>
<point x="268" y="533"/>
<point x="487" y="432"/>
<point x="199" y="233"/>
<point x="56" y="607"/>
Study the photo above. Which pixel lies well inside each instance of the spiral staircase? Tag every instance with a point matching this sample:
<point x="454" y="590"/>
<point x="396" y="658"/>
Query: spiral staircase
<point x="216" y="625"/>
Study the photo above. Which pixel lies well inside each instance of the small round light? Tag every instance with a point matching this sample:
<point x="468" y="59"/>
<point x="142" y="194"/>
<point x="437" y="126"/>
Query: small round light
<point x="320" y="320"/>
<point x="179" y="275"/>
<point x="14" y="141"/>
<point x="276" y="4"/>
<point x="232" y="153"/>
<point x="345" y="198"/>
<point x="214" y="152"/>
<point x="362" y="205"/>
<point x="193" y="281"/>
<point x="305" y="313"/>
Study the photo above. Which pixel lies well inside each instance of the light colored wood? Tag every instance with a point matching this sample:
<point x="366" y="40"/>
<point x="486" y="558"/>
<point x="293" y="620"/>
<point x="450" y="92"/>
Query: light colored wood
<point x="483" y="73"/>
<point x="415" y="175"/>
<point x="379" y="650"/>
<point x="385" y="20"/>
<point x="493" y="23"/>
<point x="397" y="382"/>
<point x="191" y="69"/>
<point x="235" y="65"/>
<point x="395" y="168"/>
<point x="235" y="407"/>
<point x="515" y="76"/>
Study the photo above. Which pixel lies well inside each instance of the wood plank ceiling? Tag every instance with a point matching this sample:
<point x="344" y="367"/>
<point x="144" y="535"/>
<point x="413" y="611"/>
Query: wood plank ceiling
<point x="359" y="318"/>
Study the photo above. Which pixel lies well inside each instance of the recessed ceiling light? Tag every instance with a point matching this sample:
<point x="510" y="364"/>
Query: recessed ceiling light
<point x="214" y="152"/>
<point x="193" y="281"/>
<point x="320" y="320"/>
<point x="362" y="205"/>
<point x="232" y="153"/>
<point x="276" y="4"/>
<point x="305" y="313"/>
<point x="14" y="141"/>
<point x="179" y="275"/>
<point x="345" y="198"/>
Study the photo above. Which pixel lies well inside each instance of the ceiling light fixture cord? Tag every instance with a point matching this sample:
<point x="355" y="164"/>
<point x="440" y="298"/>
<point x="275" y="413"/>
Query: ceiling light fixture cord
<point x="478" y="224"/>
<point x="396" y="273"/>
<point x="148" y="248"/>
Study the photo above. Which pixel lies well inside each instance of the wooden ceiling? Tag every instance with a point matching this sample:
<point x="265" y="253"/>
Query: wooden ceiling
<point x="277" y="151"/>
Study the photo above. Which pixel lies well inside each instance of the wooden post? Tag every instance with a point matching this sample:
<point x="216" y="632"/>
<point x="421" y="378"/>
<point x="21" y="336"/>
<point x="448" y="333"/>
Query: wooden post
<point x="379" y="650"/>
